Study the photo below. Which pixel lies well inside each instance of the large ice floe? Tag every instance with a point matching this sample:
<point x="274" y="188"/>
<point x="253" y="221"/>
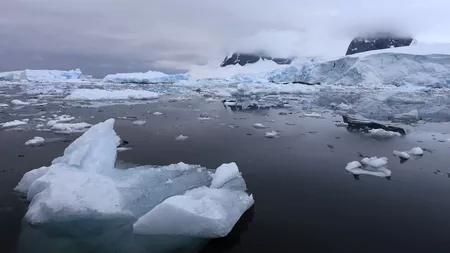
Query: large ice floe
<point x="98" y="94"/>
<point x="178" y="199"/>
<point x="150" y="77"/>
<point x="41" y="76"/>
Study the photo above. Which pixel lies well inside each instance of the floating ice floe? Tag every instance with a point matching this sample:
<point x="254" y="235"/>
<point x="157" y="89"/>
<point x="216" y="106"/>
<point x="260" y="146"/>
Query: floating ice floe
<point x="313" y="115"/>
<point x="4" y="105"/>
<point x="157" y="113"/>
<point x="36" y="141"/>
<point x="151" y="77"/>
<point x="381" y="133"/>
<point x="14" y="123"/>
<point x="19" y="102"/>
<point x="204" y="116"/>
<point x="83" y="185"/>
<point x="259" y="126"/>
<point x="98" y="94"/>
<point x="373" y="166"/>
<point x="271" y="134"/>
<point x="70" y="127"/>
<point x="44" y="76"/>
<point x="123" y="149"/>
<point x="139" y="122"/>
<point x="417" y="151"/>
<point x="181" y="138"/>
<point x="341" y="124"/>
<point x="60" y="119"/>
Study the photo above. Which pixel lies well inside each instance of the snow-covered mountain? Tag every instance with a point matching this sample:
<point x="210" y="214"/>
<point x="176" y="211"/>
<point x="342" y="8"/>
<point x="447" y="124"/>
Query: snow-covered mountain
<point x="245" y="58"/>
<point x="364" y="44"/>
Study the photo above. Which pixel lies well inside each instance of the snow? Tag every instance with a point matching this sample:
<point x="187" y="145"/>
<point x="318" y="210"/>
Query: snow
<point x="150" y="77"/>
<point x="19" y="102"/>
<point x="224" y="173"/>
<point x="271" y="134"/>
<point x="98" y="94"/>
<point x="375" y="162"/>
<point x="44" y="76"/>
<point x="70" y="127"/>
<point x="14" y="123"/>
<point x="416" y="151"/>
<point x="381" y="133"/>
<point x="83" y="184"/>
<point x="181" y="138"/>
<point x="259" y="126"/>
<point x="139" y="122"/>
<point x="401" y="154"/>
<point x="36" y="141"/>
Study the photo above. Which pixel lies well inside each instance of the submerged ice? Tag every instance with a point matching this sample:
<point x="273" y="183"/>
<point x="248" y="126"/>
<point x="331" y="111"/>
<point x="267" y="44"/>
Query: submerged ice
<point x="83" y="184"/>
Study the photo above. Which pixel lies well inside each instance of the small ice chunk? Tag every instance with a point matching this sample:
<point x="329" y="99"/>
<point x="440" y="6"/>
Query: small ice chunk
<point x="36" y="141"/>
<point x="230" y="103"/>
<point x="13" y="123"/>
<point x="202" y="212"/>
<point x="157" y="113"/>
<point x="353" y="165"/>
<point x="381" y="133"/>
<point x="19" y="102"/>
<point x="123" y="149"/>
<point x="341" y="124"/>
<point x="139" y="122"/>
<point x="271" y="134"/>
<point x="313" y="115"/>
<point x="70" y="127"/>
<point x="169" y="181"/>
<point x="40" y="126"/>
<point x="4" y="105"/>
<point x="181" y="138"/>
<point x="60" y="119"/>
<point x="375" y="162"/>
<point x="224" y="173"/>
<point x="401" y="154"/>
<point x="416" y="151"/>
<point x="259" y="126"/>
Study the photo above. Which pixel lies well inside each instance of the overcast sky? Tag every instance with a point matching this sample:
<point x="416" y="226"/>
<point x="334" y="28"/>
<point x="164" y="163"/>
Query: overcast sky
<point x="105" y="36"/>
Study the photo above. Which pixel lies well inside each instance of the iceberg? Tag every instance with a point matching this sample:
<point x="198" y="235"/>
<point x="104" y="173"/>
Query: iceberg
<point x="44" y="76"/>
<point x="10" y="76"/>
<point x="98" y="94"/>
<point x="84" y="185"/>
<point x="151" y="77"/>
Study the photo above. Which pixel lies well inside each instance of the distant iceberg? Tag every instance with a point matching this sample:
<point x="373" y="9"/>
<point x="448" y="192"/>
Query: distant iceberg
<point x="41" y="76"/>
<point x="145" y="78"/>
<point x="83" y="185"/>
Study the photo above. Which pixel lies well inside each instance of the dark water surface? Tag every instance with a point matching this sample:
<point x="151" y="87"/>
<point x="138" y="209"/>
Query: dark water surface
<point x="304" y="199"/>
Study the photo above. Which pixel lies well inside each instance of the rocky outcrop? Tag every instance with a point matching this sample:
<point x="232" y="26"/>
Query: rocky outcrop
<point x="363" y="44"/>
<point x="244" y="59"/>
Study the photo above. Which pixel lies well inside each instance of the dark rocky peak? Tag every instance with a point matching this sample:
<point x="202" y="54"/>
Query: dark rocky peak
<point x="244" y="59"/>
<point x="377" y="42"/>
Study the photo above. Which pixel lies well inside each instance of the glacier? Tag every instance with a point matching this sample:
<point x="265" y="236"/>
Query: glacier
<point x="84" y="185"/>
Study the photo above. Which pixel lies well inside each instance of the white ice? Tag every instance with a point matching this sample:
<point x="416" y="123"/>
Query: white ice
<point x="259" y="126"/>
<point x="402" y="154"/>
<point x="375" y="162"/>
<point x="341" y="124"/>
<point x="70" y="127"/>
<point x="224" y="173"/>
<point x="271" y="134"/>
<point x="313" y="115"/>
<point x="84" y="185"/>
<point x="98" y="94"/>
<point x="139" y="122"/>
<point x="123" y="149"/>
<point x="157" y="113"/>
<point x="4" y="105"/>
<point x="381" y="133"/>
<point x="19" y="102"/>
<point x="60" y="119"/>
<point x="14" y="123"/>
<point x="44" y="76"/>
<point x="181" y="138"/>
<point x="145" y="78"/>
<point x="416" y="151"/>
<point x="36" y="141"/>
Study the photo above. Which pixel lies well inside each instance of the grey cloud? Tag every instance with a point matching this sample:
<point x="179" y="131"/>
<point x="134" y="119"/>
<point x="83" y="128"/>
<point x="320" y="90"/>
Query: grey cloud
<point x="178" y="34"/>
